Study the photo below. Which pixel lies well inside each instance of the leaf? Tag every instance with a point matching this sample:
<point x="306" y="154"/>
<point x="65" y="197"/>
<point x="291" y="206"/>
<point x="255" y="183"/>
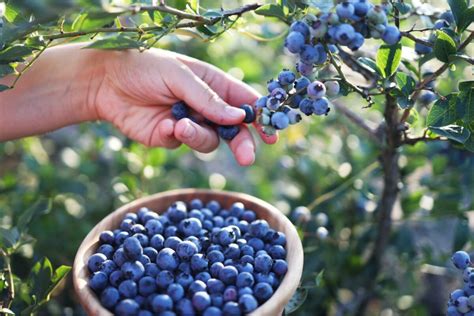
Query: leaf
<point x="405" y="83"/>
<point x="466" y="19"/>
<point x="319" y="278"/>
<point x="371" y="65"/>
<point x="42" y="206"/>
<point x="403" y="8"/>
<point x="323" y="5"/>
<point x="458" y="7"/>
<point x="9" y="237"/>
<point x="92" y="20"/>
<point x="59" y="274"/>
<point x="6" y="311"/>
<point x="454" y="132"/>
<point x="4" y="87"/>
<point x="194" y="5"/>
<point x="271" y="10"/>
<point x="444" y="46"/>
<point x="405" y="102"/>
<point x="296" y="300"/>
<point x="426" y="58"/>
<point x="466" y="100"/>
<point x="445" y="111"/>
<point x="14" y="53"/>
<point x="115" y="43"/>
<point x="461" y="234"/>
<point x="40" y="277"/>
<point x="6" y="70"/>
<point x="388" y="58"/>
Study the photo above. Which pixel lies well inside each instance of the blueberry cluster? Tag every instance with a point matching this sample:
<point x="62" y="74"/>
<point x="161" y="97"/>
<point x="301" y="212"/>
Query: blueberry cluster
<point x="461" y="301"/>
<point x="445" y="22"/>
<point x="301" y="215"/>
<point x="195" y="259"/>
<point x="181" y="110"/>
<point x="288" y="97"/>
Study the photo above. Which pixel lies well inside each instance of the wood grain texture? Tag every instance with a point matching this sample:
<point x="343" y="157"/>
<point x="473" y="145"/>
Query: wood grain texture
<point x="159" y="203"/>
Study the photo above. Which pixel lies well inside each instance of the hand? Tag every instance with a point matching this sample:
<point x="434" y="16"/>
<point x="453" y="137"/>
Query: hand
<point x="134" y="91"/>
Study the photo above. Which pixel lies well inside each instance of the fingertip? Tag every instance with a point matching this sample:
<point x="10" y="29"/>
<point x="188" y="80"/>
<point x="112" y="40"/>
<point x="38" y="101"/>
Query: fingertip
<point x="166" y="127"/>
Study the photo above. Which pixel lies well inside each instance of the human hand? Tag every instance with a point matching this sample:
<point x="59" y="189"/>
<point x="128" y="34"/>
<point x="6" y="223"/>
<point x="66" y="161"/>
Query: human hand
<point x="138" y="89"/>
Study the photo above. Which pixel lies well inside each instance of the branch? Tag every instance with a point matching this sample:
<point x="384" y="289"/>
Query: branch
<point x="359" y="121"/>
<point x="11" y="285"/>
<point x="343" y="77"/>
<point x="352" y="63"/>
<point x="416" y="39"/>
<point x="166" y="9"/>
<point x="141" y="30"/>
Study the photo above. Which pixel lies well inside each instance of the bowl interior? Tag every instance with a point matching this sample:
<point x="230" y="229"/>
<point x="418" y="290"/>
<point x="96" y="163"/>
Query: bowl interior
<point x="159" y="203"/>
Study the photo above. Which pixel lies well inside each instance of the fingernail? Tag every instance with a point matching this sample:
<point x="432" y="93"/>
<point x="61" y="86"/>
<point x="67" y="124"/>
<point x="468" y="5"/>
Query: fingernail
<point x="189" y="131"/>
<point x="234" y="112"/>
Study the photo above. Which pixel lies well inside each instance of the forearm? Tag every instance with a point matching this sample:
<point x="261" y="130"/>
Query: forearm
<point x="56" y="91"/>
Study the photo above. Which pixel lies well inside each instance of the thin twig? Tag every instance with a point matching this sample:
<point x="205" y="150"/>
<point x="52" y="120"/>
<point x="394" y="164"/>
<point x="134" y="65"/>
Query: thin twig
<point x="166" y="9"/>
<point x="352" y="63"/>
<point x="11" y="285"/>
<point x="417" y="39"/>
<point x="357" y="120"/>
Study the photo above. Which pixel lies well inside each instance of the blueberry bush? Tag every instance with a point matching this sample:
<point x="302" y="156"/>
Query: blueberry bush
<point x="379" y="183"/>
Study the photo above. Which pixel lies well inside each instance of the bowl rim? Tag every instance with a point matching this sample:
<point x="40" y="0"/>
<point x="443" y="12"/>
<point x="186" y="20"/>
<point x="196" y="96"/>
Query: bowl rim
<point x="280" y="297"/>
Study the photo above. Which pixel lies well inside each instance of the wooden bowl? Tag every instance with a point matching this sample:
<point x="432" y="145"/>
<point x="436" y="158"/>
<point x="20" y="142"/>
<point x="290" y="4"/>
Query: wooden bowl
<point x="159" y="203"/>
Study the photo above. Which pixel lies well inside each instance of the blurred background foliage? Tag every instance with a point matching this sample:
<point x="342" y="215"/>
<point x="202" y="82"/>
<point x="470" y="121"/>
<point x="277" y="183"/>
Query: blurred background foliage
<point x="91" y="169"/>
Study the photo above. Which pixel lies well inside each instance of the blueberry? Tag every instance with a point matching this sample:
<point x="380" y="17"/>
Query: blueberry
<point x="186" y="250"/>
<point x="356" y="42"/>
<point x="263" y="263"/>
<point x="280" y="267"/>
<point x="150" y="252"/>
<point x="212" y="311"/>
<point x="248" y="303"/>
<point x="344" y="34"/>
<point x="461" y="260"/>
<point x="215" y="256"/>
<point x="157" y="242"/>
<point x="95" y="261"/>
<point x="142" y="238"/>
<point x="447" y="16"/>
<point x="185" y="267"/>
<point x="226" y="236"/>
<point x="261" y="102"/>
<point x="144" y="259"/>
<point x="345" y="10"/>
<point x="107" y="237"/>
<point x="108" y="266"/>
<point x="316" y="90"/>
<point x="132" y="248"/>
<point x="133" y="270"/>
<point x="332" y="88"/>
<point x="286" y="77"/>
<point x="231" y="309"/>
<point x="184" y="279"/>
<point x="127" y="307"/>
<point x="151" y="269"/>
<point x="301" y="214"/>
<point x="294" y="42"/>
<point x="215" y="286"/>
<point x="280" y="120"/>
<point x="319" y="29"/>
<point x="175" y="291"/>
<point x="361" y="8"/>
<point x="377" y="15"/>
<point x="301" y="84"/>
<point x="259" y="228"/>
<point x="230" y="294"/>
<point x="304" y="68"/>
<point x="161" y="303"/>
<point x="153" y="227"/>
<point x="177" y="211"/>
<point x="427" y="97"/>
<point x="109" y="297"/>
<point x="149" y="216"/>
<point x="228" y="274"/>
<point x="201" y="301"/>
<point x="190" y="227"/>
<point x="115" y="278"/>
<point x="440" y="24"/>
<point x="391" y="35"/>
<point x="300" y="27"/>
<point x="213" y="206"/>
<point x="98" y="281"/>
<point x="217" y="300"/>
<point x="146" y="286"/>
<point x="196" y="214"/>
<point x="306" y="106"/>
<point x="106" y="249"/>
<point x="164" y="279"/>
<point x="196" y="204"/>
<point x="228" y="132"/>
<point x="128" y="289"/>
<point x="245" y="279"/>
<point x="196" y="286"/>
<point x="256" y="243"/>
<point x="421" y="49"/>
<point x="273" y="103"/>
<point x="215" y="269"/>
<point x="272" y="85"/>
<point x="462" y="304"/>
<point x="167" y="259"/>
<point x="262" y="291"/>
<point x="322" y="55"/>
<point x="199" y="262"/>
<point x="185" y="307"/>
<point x="232" y="252"/>
<point x="203" y="276"/>
<point x="309" y="54"/>
<point x="321" y="106"/>
<point x="180" y="110"/>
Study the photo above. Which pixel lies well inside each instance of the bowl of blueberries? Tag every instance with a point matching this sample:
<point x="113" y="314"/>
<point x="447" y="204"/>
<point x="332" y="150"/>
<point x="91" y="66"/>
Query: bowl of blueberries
<point x="190" y="252"/>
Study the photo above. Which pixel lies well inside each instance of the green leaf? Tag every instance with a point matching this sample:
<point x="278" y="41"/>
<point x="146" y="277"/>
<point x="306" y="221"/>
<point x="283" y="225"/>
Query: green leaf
<point x="194" y="5"/>
<point x="426" y="58"/>
<point x="59" y="274"/>
<point x="371" y="65"/>
<point x="323" y="5"/>
<point x="40" y="277"/>
<point x="9" y="237"/>
<point x="14" y="53"/>
<point x="444" y="46"/>
<point x="469" y="144"/>
<point x="92" y="20"/>
<point x="454" y="132"/>
<point x="296" y="300"/>
<point x="458" y="7"/>
<point x="272" y="10"/>
<point x="13" y="14"/>
<point x="404" y="102"/>
<point x="42" y="206"/>
<point x="403" y="8"/>
<point x="6" y="70"/>
<point x="319" y="278"/>
<point x="461" y="234"/>
<point x="466" y="100"/>
<point x="405" y="83"/>
<point x="115" y="43"/>
<point x="466" y="19"/>
<point x="445" y="111"/>
<point x="388" y="58"/>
